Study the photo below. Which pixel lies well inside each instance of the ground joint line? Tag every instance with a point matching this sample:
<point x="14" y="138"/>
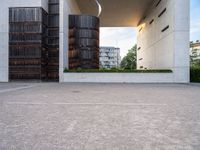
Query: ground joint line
<point x="91" y="104"/>
<point x="15" y="89"/>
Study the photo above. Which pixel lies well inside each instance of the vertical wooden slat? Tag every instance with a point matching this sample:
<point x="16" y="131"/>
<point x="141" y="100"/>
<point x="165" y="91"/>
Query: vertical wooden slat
<point x="53" y="40"/>
<point x="83" y="42"/>
<point x="26" y="44"/>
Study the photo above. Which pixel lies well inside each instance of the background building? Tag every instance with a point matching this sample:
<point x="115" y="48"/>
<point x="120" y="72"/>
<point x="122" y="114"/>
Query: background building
<point x="195" y="50"/>
<point x="109" y="57"/>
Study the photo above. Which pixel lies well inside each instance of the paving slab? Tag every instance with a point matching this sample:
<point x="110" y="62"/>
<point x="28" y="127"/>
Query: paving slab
<point x="75" y="116"/>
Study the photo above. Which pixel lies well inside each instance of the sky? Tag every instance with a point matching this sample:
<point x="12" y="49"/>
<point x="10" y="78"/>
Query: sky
<point x="125" y="38"/>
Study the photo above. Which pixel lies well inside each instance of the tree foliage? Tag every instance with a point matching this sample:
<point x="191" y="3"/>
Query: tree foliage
<point x="130" y="60"/>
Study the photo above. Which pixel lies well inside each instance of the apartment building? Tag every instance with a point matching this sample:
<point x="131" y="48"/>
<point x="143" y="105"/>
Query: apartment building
<point x="109" y="57"/>
<point x="195" y="50"/>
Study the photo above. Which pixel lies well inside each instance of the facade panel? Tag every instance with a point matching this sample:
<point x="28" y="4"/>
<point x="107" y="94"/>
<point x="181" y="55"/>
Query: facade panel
<point x="27" y="43"/>
<point x="53" y="40"/>
<point x="83" y="42"/>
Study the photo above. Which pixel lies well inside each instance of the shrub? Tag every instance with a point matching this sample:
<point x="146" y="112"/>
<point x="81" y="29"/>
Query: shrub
<point x="195" y="74"/>
<point x="116" y="71"/>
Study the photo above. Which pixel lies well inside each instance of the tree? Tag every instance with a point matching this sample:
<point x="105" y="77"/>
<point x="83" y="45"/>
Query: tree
<point x="130" y="60"/>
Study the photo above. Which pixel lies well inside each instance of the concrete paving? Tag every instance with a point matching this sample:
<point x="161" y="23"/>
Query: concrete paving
<point x="52" y="116"/>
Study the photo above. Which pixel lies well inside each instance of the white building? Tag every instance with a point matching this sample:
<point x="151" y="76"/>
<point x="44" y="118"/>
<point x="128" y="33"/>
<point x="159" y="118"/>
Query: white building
<point x="109" y="57"/>
<point x="195" y="50"/>
<point x="163" y="34"/>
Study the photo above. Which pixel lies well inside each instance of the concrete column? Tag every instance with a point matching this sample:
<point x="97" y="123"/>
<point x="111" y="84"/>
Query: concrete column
<point x="181" y="41"/>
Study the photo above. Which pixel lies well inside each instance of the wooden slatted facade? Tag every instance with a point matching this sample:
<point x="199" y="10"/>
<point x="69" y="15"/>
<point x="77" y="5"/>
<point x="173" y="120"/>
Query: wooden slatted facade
<point x="83" y="42"/>
<point x="34" y="43"/>
<point x="27" y="43"/>
<point x="53" y="40"/>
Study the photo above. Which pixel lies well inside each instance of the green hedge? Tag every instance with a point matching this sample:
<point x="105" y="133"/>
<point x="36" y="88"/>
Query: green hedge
<point x="115" y="71"/>
<point x="195" y="74"/>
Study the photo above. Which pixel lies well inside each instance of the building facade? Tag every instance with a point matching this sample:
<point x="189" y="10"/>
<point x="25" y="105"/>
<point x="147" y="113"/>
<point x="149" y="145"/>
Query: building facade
<point x="109" y="57"/>
<point x="195" y="50"/>
<point x="83" y="42"/>
<point x="162" y="40"/>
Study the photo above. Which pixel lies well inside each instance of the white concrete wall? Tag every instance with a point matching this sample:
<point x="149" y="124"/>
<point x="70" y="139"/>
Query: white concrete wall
<point x="169" y="49"/>
<point x="67" y="7"/>
<point x="44" y="4"/>
<point x="4" y="30"/>
<point x="119" y="77"/>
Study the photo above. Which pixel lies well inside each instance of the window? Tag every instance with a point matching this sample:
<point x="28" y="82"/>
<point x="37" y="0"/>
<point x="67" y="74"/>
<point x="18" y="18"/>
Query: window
<point x="151" y="21"/>
<point x="164" y="29"/>
<point x="158" y="3"/>
<point x="162" y="13"/>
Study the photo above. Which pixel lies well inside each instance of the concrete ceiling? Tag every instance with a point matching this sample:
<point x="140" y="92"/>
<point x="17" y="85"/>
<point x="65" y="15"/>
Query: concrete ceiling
<point x="116" y="13"/>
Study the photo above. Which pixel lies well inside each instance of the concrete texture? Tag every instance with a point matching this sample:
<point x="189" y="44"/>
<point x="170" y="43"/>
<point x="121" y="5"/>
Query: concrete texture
<point x="119" y="77"/>
<point x="124" y="13"/>
<point x="51" y="116"/>
<point x="168" y="49"/>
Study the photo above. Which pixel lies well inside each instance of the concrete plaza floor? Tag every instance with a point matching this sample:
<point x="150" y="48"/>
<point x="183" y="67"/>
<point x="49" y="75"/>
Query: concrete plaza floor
<point x="53" y="116"/>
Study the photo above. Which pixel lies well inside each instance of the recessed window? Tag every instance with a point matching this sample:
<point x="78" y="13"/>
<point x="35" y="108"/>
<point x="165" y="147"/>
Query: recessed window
<point x="144" y="17"/>
<point x="141" y="67"/>
<point x="151" y="21"/>
<point x="141" y="59"/>
<point x="139" y="48"/>
<point x="158" y="3"/>
<point x="165" y="28"/>
<point x="162" y="13"/>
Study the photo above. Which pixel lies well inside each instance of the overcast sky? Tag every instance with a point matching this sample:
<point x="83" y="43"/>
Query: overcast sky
<point x="125" y="38"/>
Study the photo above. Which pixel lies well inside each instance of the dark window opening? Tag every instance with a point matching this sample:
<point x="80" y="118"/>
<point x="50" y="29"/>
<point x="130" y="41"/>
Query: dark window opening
<point x="164" y="29"/>
<point x="158" y="3"/>
<point x="162" y="13"/>
<point x="151" y="21"/>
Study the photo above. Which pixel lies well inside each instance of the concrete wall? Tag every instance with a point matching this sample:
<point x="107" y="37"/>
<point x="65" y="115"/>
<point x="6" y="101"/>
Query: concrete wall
<point x="119" y="77"/>
<point x="168" y="49"/>
<point x="44" y="4"/>
<point x="4" y="30"/>
<point x="66" y="7"/>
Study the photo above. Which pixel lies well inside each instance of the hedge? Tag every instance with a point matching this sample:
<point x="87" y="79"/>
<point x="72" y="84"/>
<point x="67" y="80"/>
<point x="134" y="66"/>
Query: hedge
<point x="195" y="74"/>
<point x="115" y="71"/>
